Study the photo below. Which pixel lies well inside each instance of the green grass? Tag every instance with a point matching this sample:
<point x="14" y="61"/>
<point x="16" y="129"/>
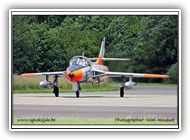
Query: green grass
<point x="95" y="121"/>
<point x="30" y="84"/>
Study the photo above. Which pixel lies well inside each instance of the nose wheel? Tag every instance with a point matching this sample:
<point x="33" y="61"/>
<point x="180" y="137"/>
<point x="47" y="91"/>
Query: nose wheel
<point x="77" y="94"/>
<point x="76" y="87"/>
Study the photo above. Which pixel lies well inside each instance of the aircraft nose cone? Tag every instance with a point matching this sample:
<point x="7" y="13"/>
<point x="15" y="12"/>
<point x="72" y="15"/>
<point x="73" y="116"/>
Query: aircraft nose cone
<point x="71" y="75"/>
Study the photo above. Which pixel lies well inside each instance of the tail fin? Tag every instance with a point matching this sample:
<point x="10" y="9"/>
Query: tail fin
<point x="102" y="51"/>
<point x="101" y="57"/>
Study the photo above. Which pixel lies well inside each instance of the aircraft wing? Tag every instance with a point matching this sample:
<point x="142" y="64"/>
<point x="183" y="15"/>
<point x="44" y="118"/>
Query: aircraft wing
<point x="123" y="74"/>
<point x="44" y="73"/>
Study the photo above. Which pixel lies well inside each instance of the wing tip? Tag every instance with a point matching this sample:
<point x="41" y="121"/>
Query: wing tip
<point x="156" y="76"/>
<point x="28" y="74"/>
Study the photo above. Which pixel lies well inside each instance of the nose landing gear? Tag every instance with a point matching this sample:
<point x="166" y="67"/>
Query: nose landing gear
<point x="76" y="87"/>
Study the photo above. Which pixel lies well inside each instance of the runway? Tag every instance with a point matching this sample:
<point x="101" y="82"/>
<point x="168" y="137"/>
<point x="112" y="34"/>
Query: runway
<point x="141" y="101"/>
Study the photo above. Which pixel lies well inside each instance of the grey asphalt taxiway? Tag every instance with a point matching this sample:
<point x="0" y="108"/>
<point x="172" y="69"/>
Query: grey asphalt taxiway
<point x="142" y="101"/>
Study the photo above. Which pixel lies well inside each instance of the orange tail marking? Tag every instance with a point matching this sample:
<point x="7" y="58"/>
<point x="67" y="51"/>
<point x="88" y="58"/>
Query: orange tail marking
<point x="99" y="60"/>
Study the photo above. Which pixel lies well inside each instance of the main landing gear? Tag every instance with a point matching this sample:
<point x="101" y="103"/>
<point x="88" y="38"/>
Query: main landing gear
<point x="56" y="91"/>
<point x="55" y="86"/>
<point x="123" y="81"/>
<point x="121" y="91"/>
<point x="126" y="84"/>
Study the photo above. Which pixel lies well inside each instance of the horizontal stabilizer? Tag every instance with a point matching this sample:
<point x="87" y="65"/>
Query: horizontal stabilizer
<point x="122" y="59"/>
<point x="112" y="59"/>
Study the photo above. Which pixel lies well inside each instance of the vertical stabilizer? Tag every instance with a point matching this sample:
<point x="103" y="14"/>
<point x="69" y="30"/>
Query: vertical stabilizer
<point x="102" y="51"/>
<point x="101" y="57"/>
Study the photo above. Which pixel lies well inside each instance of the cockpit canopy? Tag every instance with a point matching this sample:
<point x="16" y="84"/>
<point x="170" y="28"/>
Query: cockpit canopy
<point x="79" y="61"/>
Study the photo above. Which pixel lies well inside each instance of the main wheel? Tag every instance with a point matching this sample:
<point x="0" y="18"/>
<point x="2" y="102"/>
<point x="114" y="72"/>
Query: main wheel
<point x="77" y="94"/>
<point x="56" y="91"/>
<point x="121" y="91"/>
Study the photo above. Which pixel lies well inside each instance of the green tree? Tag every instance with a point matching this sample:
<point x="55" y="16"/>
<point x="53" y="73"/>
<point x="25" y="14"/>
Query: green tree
<point x="173" y="73"/>
<point x="46" y="43"/>
<point x="156" y="46"/>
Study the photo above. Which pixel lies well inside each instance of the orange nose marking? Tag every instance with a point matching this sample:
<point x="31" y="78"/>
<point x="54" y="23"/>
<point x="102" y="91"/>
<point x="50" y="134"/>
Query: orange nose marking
<point x="77" y="75"/>
<point x="67" y="74"/>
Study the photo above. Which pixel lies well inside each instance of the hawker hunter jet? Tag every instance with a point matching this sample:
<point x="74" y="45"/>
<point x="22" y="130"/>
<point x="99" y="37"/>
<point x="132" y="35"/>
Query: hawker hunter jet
<point x="82" y="70"/>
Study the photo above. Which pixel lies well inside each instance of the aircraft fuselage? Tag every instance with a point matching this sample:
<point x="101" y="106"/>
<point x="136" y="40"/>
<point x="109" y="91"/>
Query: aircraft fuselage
<point x="81" y="69"/>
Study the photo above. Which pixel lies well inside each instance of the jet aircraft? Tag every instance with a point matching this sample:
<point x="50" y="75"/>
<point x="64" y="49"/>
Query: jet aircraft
<point x="82" y="70"/>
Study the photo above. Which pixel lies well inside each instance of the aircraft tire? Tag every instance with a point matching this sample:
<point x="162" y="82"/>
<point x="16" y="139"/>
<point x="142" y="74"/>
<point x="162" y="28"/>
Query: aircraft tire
<point x="56" y="91"/>
<point x="77" y="94"/>
<point x="122" y="92"/>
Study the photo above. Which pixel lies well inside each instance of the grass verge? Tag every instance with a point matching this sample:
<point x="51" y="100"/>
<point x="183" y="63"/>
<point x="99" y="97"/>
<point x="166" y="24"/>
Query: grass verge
<point x="23" y="84"/>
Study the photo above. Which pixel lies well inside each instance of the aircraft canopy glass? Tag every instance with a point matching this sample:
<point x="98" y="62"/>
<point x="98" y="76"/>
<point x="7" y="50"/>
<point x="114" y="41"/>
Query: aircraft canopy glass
<point x="80" y="61"/>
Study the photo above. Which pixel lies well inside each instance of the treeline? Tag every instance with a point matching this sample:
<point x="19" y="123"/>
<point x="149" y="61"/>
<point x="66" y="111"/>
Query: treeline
<point x="46" y="43"/>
